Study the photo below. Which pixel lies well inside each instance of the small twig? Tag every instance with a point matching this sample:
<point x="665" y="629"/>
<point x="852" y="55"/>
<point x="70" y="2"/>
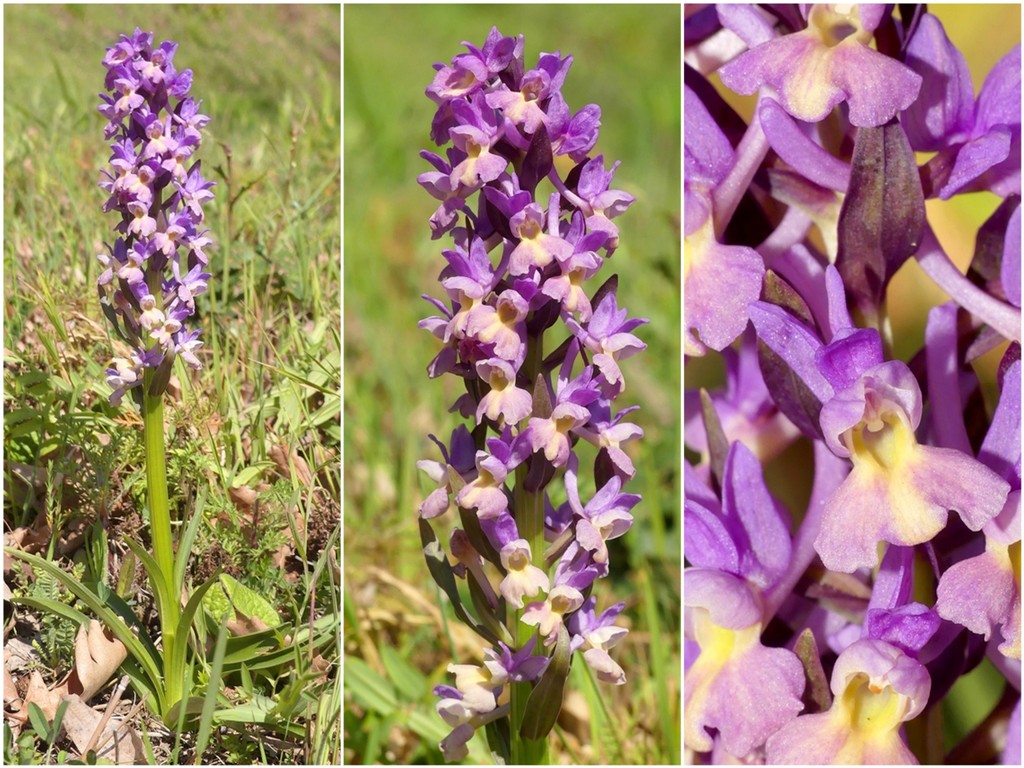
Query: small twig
<point x="107" y="714"/>
<point x="127" y="718"/>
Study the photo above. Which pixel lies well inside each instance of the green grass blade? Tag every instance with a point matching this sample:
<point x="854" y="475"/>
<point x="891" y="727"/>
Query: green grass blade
<point x="105" y="614"/>
<point x="156" y="575"/>
<point x="660" y="660"/>
<point x="177" y="661"/>
<point x="210" y="700"/>
<point x="187" y="540"/>
<point x="54" y="606"/>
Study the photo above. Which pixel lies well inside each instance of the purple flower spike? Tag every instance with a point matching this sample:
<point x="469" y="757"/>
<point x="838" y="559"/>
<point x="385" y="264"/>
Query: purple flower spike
<point x="816" y="68"/>
<point x="160" y="201"/>
<point x="519" y="270"/>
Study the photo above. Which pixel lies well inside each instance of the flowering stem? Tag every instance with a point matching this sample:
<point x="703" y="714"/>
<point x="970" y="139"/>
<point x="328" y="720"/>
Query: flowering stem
<point x="529" y="507"/>
<point x="160" y="529"/>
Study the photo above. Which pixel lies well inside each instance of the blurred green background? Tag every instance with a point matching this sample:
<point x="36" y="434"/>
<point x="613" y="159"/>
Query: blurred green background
<point x="626" y="59"/>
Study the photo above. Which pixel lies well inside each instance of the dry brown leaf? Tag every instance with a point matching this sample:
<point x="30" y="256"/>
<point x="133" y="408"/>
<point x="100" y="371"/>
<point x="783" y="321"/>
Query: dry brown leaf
<point x="98" y="654"/>
<point x="97" y="657"/>
<point x="19" y="655"/>
<point x="30" y="539"/>
<point x="291" y="464"/>
<point x="245" y="625"/>
<point x="118" y="742"/>
<point x="10" y="688"/>
<point x="41" y="696"/>
<point x="244" y="498"/>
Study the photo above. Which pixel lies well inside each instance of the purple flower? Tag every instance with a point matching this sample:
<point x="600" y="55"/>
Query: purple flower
<point x="828" y="62"/>
<point x="606" y="516"/>
<point x="604" y="203"/>
<point x="899" y="490"/>
<point x="735" y="685"/>
<point x="876" y="688"/>
<point x="595" y="635"/>
<point x="609" y="336"/>
<point x="551" y="434"/>
<point x="972" y="138"/>
<point x="713" y="317"/>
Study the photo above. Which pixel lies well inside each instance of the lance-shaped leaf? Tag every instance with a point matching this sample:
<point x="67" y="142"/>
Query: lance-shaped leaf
<point x="538" y="161"/>
<point x="498" y="740"/>
<point x="441" y="570"/>
<point x="883" y="216"/>
<point x="542" y="406"/>
<point x="989" y="244"/>
<point x="785" y="351"/>
<point x="718" y="443"/>
<point x="162" y="376"/>
<point x="816" y="695"/>
<point x="611" y="285"/>
<point x="492" y="617"/>
<point x="545" y="700"/>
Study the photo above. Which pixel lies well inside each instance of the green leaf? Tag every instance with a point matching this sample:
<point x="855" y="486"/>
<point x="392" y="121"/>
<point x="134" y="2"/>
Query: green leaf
<point x="492" y="618"/>
<point x="210" y="700"/>
<point x="545" y="700"/>
<point x="187" y="540"/>
<point x="157" y="579"/>
<point x="39" y="722"/>
<point x="441" y="570"/>
<point x="218" y="605"/>
<point x="409" y="681"/>
<point x="247" y="475"/>
<point x="176" y="664"/>
<point x="249" y="603"/>
<point x="54" y="606"/>
<point x="368" y="688"/>
<point x="143" y="653"/>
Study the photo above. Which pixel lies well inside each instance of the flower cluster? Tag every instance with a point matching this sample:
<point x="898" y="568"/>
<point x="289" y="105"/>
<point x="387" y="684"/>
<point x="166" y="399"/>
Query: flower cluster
<point x="516" y="275"/>
<point x="902" y="572"/>
<point x="156" y="267"/>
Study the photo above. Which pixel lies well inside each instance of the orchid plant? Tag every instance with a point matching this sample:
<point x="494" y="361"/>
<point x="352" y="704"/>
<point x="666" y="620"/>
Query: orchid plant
<point x="152" y="275"/>
<point x="530" y="540"/>
<point x="832" y="634"/>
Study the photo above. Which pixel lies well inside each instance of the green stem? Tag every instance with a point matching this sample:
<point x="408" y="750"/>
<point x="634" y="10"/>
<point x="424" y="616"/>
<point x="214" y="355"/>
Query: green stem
<point x="529" y="513"/>
<point x="160" y="531"/>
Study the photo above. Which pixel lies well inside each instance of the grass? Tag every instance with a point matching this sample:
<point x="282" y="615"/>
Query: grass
<point x="399" y="636"/>
<point x="254" y="438"/>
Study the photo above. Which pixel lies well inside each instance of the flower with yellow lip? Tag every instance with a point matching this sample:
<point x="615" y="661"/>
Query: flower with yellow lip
<point x="899" y="491"/>
<point x="826" y="63"/>
<point x="735" y="685"/>
<point x="877" y="688"/>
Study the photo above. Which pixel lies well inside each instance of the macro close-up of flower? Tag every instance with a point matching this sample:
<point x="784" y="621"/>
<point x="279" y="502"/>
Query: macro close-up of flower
<point x="852" y="403"/>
